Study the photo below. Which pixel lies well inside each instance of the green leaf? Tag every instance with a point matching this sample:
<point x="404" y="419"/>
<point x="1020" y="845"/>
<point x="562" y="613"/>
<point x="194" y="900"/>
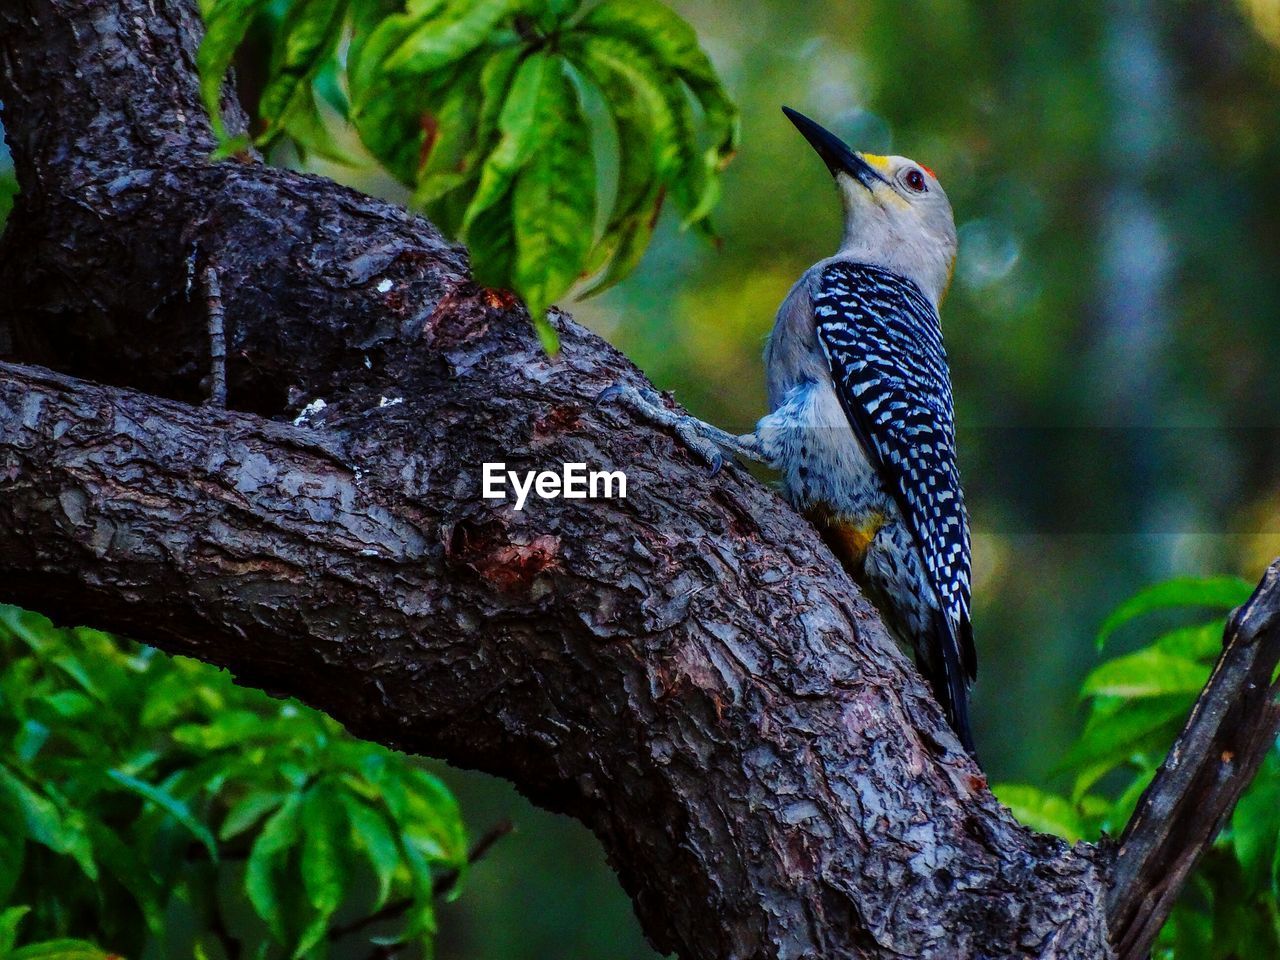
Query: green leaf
<point x="398" y="119"/>
<point x="491" y="237"/>
<point x="1112" y="738"/>
<point x="1255" y="825"/>
<point x="307" y="38"/>
<point x="1190" y="933"/>
<point x="328" y="87"/>
<point x="171" y="805"/>
<point x="525" y="122"/>
<point x="73" y="668"/>
<point x="246" y="812"/>
<point x="374" y="836"/>
<point x="1241" y="930"/>
<point x="267" y="858"/>
<point x="1218" y="592"/>
<point x="231" y="728"/>
<point x="441" y="37"/>
<point x="30" y="740"/>
<point x="674" y="131"/>
<point x="420" y="918"/>
<point x="323" y="876"/>
<point x="46" y="826"/>
<point x="68" y="704"/>
<point x="1040" y="810"/>
<point x="60" y="950"/>
<point x="643" y="127"/>
<point x="626" y="74"/>
<point x="139" y="871"/>
<point x="375" y="36"/>
<point x="495" y="82"/>
<point x="673" y="46"/>
<point x="554" y="199"/>
<point x="1094" y="809"/>
<point x="449" y="132"/>
<point x="8" y="190"/>
<point x="433" y="810"/>
<point x="1149" y="672"/>
<point x="9" y="921"/>
<point x="226" y="23"/>
<point x="303" y="123"/>
<point x="231" y="147"/>
<point x="457" y="158"/>
<point x="547" y="336"/>
<point x="1202" y="642"/>
<point x="13" y="849"/>
<point x="552" y="14"/>
<point x="35" y="631"/>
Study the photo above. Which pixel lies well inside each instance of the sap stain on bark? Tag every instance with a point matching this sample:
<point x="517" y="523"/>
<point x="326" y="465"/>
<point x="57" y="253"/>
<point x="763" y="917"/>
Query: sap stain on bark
<point x="557" y="420"/>
<point x="509" y="564"/>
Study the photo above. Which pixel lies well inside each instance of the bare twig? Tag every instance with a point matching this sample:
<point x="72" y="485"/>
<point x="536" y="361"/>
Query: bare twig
<point x="216" y="316"/>
<point x="1233" y="724"/>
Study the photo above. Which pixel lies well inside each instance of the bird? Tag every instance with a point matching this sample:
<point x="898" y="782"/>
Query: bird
<point x="861" y="419"/>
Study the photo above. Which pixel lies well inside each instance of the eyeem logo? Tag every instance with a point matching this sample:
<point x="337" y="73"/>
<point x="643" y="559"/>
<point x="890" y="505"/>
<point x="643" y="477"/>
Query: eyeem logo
<point x="573" y="482"/>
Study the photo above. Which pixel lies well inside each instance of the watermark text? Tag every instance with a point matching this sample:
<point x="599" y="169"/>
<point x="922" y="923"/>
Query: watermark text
<point x="573" y="482"/>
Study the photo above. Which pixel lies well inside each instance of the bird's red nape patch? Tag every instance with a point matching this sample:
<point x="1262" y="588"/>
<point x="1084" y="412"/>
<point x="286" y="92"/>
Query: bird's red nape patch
<point x="929" y="171"/>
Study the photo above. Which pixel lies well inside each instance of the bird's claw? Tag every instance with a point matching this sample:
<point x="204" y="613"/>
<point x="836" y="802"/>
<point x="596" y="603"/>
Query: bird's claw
<point x="703" y="448"/>
<point x="642" y="401"/>
<point x="639" y="399"/>
<point x="647" y="403"/>
<point x="611" y="393"/>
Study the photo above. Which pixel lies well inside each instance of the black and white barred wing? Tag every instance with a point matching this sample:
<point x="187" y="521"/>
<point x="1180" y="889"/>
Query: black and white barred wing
<point x="883" y="342"/>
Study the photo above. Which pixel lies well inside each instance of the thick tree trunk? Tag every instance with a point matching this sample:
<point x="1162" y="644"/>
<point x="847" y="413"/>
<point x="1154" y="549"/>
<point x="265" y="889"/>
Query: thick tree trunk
<point x="687" y="671"/>
<point x="683" y="670"/>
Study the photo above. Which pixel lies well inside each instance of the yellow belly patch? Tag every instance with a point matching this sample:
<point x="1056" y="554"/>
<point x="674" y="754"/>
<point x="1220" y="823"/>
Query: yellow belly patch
<point x="848" y="537"/>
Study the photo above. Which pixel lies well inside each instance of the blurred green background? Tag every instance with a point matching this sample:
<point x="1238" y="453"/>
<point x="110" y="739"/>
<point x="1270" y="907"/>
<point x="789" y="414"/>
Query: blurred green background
<point x="1112" y="330"/>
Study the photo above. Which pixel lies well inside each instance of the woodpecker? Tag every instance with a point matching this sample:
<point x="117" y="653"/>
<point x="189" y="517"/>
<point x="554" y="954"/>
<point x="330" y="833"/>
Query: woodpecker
<point x="860" y="423"/>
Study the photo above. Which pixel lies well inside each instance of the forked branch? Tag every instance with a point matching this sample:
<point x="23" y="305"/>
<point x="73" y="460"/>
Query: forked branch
<point x="1234" y="723"/>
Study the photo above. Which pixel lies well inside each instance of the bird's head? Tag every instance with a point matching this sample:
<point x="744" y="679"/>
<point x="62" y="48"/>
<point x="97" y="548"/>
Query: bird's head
<point x="896" y="214"/>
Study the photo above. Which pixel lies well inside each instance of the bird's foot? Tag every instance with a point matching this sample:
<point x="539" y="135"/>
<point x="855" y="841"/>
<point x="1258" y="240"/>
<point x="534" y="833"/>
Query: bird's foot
<point x="648" y="405"/>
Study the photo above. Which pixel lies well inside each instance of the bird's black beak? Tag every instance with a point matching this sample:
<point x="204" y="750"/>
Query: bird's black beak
<point x="834" y="152"/>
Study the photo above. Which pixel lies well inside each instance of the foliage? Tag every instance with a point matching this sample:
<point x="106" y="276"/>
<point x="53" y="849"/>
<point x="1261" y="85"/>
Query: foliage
<point x="142" y="794"/>
<point x="1137" y="704"/>
<point x="61" y="949"/>
<point x="484" y="109"/>
<point x="8" y="190"/>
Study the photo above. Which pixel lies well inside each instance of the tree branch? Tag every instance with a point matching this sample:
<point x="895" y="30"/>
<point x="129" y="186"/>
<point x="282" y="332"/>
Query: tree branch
<point x="687" y="671"/>
<point x="1234" y="723"/>
<point x="776" y="780"/>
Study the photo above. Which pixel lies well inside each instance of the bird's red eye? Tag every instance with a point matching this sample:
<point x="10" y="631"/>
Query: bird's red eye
<point x="915" y="180"/>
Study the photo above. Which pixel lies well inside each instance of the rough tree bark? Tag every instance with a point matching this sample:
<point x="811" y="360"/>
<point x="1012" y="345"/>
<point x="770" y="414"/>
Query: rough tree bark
<point x="687" y="671"/>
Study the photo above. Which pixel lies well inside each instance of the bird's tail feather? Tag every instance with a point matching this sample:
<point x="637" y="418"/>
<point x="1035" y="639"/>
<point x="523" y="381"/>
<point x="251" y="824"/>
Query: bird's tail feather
<point x="948" y="676"/>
